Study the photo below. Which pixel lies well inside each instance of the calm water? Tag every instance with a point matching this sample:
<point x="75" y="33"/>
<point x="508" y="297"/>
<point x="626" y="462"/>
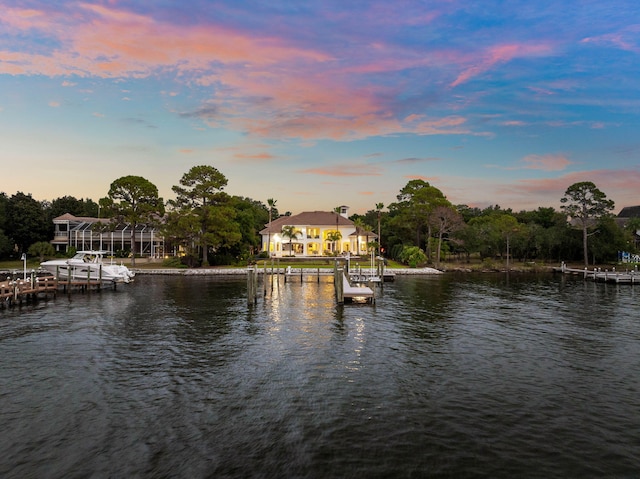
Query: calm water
<point x="454" y="376"/>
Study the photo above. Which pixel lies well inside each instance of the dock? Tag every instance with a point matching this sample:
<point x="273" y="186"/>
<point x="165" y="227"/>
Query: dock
<point x="346" y="292"/>
<point x="355" y="293"/>
<point x="16" y="291"/>
<point x="606" y="276"/>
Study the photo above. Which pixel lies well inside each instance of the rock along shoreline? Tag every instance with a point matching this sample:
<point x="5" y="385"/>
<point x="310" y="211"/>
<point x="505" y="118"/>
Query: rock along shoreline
<point x="243" y="271"/>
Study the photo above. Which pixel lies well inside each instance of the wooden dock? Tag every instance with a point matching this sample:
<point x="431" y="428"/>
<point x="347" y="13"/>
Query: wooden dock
<point x="16" y="291"/>
<point x="606" y="276"/>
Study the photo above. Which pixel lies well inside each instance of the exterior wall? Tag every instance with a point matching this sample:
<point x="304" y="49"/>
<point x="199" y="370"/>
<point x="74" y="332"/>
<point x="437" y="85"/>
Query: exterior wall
<point x="312" y="241"/>
<point x="80" y="235"/>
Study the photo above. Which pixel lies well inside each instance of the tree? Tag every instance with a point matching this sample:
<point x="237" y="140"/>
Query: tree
<point x="338" y="236"/>
<point x="74" y="206"/>
<point x="182" y="229"/>
<point x="633" y="229"/>
<point x="444" y="220"/>
<point x="290" y="232"/>
<point x="379" y="207"/>
<point x="272" y="204"/>
<point x="334" y="237"/>
<point x="507" y="226"/>
<point x="409" y="215"/>
<point x="585" y="203"/>
<point x="413" y="256"/>
<point x="200" y="194"/>
<point x="26" y="221"/>
<point x="609" y="240"/>
<point x="133" y="200"/>
<point x="41" y="249"/>
<point x="251" y="216"/>
<point x="6" y="244"/>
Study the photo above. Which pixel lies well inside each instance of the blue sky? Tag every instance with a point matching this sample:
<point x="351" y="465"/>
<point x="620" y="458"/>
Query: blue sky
<point x="321" y="103"/>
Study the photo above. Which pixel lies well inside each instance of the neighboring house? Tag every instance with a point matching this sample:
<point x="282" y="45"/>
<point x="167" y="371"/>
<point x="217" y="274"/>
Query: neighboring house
<point x="314" y="230"/>
<point x="86" y="233"/>
<point x="627" y="213"/>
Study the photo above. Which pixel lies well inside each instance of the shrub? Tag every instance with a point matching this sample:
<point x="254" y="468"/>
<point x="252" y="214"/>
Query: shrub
<point x="413" y="256"/>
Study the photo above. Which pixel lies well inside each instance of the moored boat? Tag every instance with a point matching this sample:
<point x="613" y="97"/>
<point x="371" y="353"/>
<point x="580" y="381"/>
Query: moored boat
<point x="89" y="265"/>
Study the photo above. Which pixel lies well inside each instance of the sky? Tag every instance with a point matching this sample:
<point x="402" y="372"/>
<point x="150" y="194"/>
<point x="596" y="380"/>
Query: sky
<point x="323" y="103"/>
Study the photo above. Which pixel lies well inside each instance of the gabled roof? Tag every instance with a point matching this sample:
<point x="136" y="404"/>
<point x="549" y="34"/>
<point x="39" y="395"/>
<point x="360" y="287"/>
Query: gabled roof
<point x="307" y="218"/>
<point x="70" y="217"/>
<point x="363" y="232"/>
<point x="629" y="212"/>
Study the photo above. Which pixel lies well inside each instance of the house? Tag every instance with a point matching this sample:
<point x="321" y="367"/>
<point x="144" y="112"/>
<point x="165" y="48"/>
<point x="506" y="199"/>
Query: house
<point x="315" y="235"/>
<point x="88" y="233"/>
<point x="626" y="214"/>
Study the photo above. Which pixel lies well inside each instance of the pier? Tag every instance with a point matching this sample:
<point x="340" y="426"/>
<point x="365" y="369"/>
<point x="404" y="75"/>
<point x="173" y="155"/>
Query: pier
<point x="606" y="276"/>
<point x="348" y="292"/>
<point x="16" y="291"/>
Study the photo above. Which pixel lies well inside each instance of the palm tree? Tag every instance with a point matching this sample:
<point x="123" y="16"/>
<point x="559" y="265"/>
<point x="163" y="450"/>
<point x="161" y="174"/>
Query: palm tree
<point x="360" y="227"/>
<point x="272" y="203"/>
<point x="338" y="235"/>
<point x="334" y="236"/>
<point x="291" y="233"/>
<point x="379" y="207"/>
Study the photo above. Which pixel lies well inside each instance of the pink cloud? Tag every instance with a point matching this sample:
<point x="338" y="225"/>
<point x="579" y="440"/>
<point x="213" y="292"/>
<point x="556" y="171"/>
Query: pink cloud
<point x="546" y="162"/>
<point x="499" y="54"/>
<point x="619" y="185"/>
<point x="107" y="42"/>
<point x="262" y="85"/>
<point x="428" y="179"/>
<point x="254" y="158"/>
<point x="344" y="170"/>
<point x="626" y="39"/>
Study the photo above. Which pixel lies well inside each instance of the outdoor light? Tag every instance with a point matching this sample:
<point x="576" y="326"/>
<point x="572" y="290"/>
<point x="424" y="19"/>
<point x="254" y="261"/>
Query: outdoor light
<point x="24" y="262"/>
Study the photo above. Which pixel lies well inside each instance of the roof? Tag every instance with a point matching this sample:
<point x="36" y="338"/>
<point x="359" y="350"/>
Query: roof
<point x="363" y="232"/>
<point x="629" y="212"/>
<point x="70" y="217"/>
<point x="307" y="218"/>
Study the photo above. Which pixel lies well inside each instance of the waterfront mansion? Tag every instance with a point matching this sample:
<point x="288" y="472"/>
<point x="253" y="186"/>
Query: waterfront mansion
<point x="314" y="235"/>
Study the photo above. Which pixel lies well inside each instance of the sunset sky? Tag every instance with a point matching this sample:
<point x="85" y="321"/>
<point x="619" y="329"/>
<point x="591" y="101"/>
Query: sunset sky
<point x="323" y="103"/>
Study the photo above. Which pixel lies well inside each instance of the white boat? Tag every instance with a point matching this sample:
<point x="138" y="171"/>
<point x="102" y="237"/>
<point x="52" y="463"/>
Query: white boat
<point x="89" y="265"/>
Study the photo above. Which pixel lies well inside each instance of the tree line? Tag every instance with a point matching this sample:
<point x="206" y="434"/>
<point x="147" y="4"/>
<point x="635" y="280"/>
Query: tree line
<point x="422" y="227"/>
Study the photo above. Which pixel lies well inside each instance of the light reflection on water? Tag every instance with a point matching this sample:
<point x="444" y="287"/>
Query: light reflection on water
<point x="460" y="376"/>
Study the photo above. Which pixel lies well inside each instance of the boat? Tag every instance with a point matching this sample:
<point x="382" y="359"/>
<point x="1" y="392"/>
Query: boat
<point x="89" y="265"/>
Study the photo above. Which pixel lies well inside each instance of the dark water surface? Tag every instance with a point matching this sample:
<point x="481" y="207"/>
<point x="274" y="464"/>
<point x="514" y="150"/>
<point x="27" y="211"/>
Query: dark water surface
<point x="450" y="376"/>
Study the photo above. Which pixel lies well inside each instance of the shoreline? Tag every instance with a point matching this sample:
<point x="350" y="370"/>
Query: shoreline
<point x="426" y="271"/>
<point x="242" y="271"/>
<point x="281" y="270"/>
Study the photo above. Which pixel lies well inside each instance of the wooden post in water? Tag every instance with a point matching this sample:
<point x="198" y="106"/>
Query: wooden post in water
<point x="338" y="283"/>
<point x="264" y="279"/>
<point x="252" y="286"/>
<point x="272" y="274"/>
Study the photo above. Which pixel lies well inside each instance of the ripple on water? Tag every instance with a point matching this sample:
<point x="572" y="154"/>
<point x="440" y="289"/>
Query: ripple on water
<point x="460" y="376"/>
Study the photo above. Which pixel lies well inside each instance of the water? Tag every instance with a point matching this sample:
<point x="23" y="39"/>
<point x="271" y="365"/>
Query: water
<point x="449" y="376"/>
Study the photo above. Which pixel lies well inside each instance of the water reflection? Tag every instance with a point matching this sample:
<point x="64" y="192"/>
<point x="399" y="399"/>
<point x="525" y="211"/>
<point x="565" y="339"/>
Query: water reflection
<point x="455" y="376"/>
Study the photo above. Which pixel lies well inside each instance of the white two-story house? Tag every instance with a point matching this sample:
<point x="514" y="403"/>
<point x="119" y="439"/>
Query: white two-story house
<point x="315" y="235"/>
